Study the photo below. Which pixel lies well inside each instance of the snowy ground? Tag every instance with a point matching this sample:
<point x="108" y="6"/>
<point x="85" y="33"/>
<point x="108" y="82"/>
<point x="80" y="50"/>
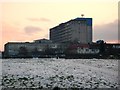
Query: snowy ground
<point x="63" y="73"/>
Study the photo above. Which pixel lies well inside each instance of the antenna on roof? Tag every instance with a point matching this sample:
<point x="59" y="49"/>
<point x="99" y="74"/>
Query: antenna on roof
<point x="82" y="15"/>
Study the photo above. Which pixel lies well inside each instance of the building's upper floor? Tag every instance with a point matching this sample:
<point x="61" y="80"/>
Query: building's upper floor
<point x="87" y="21"/>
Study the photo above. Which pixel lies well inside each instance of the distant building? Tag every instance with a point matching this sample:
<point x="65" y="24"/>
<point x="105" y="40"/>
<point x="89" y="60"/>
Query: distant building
<point x="76" y="30"/>
<point x="72" y="39"/>
<point x="13" y="48"/>
<point x="43" y="41"/>
<point x="29" y="49"/>
<point x="66" y="50"/>
<point x="83" y="49"/>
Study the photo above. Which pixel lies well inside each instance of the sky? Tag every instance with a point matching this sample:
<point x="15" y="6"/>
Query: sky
<point x="28" y="20"/>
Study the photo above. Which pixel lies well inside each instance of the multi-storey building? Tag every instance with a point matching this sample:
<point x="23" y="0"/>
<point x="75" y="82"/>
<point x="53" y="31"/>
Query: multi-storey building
<point x="76" y="30"/>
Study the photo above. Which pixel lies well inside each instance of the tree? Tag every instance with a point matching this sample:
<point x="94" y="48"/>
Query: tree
<point x="102" y="47"/>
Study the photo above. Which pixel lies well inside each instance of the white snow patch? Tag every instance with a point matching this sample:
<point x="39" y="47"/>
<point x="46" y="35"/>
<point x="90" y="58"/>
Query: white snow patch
<point x="64" y="73"/>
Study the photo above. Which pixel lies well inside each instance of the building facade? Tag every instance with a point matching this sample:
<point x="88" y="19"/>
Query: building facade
<point x="76" y="30"/>
<point x="46" y="49"/>
<point x="38" y="48"/>
<point x="13" y="49"/>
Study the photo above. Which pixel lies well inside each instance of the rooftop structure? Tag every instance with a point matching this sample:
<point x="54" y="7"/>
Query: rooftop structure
<point x="43" y="41"/>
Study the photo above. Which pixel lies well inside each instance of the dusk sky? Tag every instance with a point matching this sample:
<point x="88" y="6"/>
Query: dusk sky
<point x="31" y="19"/>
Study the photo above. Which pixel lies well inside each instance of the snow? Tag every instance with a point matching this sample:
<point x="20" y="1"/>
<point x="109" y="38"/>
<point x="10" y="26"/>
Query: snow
<point x="63" y="73"/>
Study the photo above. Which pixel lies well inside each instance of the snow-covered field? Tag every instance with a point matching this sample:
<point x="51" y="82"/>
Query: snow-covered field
<point x="63" y="73"/>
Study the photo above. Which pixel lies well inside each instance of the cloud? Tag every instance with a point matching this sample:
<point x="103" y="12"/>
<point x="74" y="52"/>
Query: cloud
<point x="38" y="19"/>
<point x="13" y="33"/>
<point x="32" y="29"/>
<point x="108" y="32"/>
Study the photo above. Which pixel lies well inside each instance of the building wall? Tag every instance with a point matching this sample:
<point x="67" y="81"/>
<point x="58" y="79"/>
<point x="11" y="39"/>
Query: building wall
<point x="87" y="51"/>
<point x="61" y="33"/>
<point x="13" y="48"/>
<point x="79" y="29"/>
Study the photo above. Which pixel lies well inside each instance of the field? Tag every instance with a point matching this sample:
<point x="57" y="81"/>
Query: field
<point x="63" y="73"/>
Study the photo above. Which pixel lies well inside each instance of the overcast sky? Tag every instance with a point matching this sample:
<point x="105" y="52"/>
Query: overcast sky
<point x="30" y="20"/>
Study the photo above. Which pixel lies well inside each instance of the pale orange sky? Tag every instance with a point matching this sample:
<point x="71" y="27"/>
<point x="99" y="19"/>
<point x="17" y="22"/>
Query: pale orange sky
<point x="31" y="20"/>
